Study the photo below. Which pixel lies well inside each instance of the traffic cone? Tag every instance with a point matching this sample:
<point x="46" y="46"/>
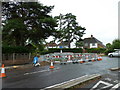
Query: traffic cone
<point x="82" y="61"/>
<point x="2" y="72"/>
<point x="93" y="60"/>
<point x="51" y="66"/>
<point x="99" y="58"/>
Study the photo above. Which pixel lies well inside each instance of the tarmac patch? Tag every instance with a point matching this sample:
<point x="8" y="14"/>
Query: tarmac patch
<point x="42" y="71"/>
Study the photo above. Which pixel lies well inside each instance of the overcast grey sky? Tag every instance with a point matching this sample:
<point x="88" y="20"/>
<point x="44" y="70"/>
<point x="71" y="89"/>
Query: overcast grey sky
<point x="99" y="17"/>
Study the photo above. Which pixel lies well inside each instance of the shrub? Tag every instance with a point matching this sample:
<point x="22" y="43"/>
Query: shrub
<point x="74" y="50"/>
<point x="16" y="49"/>
<point x="96" y="50"/>
<point x="52" y="50"/>
<point x="108" y="51"/>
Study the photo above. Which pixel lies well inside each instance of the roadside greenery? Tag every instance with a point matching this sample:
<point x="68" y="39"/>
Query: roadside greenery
<point x="17" y="49"/>
<point x="68" y="29"/>
<point x="96" y="50"/>
<point x="52" y="50"/>
<point x="26" y="22"/>
<point x="111" y="47"/>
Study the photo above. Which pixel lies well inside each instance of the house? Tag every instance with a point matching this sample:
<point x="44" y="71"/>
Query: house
<point x="51" y="45"/>
<point x="63" y="44"/>
<point x="92" y="42"/>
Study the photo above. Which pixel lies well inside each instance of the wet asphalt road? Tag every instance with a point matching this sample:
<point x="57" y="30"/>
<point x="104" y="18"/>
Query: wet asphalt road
<point x="41" y="77"/>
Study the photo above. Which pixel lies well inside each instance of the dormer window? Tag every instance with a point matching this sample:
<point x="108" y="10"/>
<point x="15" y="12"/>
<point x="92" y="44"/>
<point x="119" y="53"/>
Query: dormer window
<point x="93" y="44"/>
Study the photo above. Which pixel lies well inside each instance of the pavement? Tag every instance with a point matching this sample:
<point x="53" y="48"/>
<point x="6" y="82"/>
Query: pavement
<point x="107" y="81"/>
<point x="17" y="66"/>
<point x="73" y="82"/>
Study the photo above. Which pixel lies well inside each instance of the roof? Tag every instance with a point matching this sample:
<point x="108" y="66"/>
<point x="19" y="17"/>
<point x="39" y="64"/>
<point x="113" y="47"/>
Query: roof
<point x="51" y="44"/>
<point x="92" y="40"/>
<point x="63" y="43"/>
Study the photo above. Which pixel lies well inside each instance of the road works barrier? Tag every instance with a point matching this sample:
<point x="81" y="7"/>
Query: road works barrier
<point x="73" y="82"/>
<point x="65" y="58"/>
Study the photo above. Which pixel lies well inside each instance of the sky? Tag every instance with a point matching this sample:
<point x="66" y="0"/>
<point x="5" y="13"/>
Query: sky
<point x="99" y="17"/>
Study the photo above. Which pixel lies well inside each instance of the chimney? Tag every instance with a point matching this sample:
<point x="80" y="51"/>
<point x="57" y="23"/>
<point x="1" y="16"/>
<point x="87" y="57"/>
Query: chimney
<point x="91" y="36"/>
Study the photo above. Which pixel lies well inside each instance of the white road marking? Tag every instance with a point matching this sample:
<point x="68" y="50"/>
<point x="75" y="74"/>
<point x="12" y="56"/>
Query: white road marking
<point x="108" y="79"/>
<point x="36" y="72"/>
<point x="115" y="87"/>
<point x="65" y="82"/>
<point x="40" y="71"/>
<point x="105" y="83"/>
<point x="116" y="81"/>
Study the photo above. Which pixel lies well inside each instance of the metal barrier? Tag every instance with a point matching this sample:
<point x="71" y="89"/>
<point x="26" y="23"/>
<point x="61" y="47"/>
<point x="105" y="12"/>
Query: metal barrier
<point x="65" y="58"/>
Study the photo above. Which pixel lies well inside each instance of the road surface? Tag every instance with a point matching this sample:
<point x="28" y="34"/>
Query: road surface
<point x="41" y="77"/>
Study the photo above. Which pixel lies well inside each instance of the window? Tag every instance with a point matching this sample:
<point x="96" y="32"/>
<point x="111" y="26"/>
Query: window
<point x="93" y="44"/>
<point x="86" y="44"/>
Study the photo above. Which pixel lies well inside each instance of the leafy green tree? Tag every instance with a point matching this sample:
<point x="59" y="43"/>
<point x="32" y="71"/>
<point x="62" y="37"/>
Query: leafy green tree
<point x="69" y="29"/>
<point x="60" y="30"/>
<point x="108" y="46"/>
<point x="111" y="47"/>
<point x="116" y="44"/>
<point x="26" y="21"/>
<point x="79" y="44"/>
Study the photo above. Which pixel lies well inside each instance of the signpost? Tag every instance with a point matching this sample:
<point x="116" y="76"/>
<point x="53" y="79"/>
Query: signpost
<point x="61" y="49"/>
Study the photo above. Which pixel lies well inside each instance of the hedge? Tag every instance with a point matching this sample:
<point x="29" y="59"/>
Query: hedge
<point x="16" y="49"/>
<point x="109" y="51"/>
<point x="74" y="50"/>
<point x="96" y="50"/>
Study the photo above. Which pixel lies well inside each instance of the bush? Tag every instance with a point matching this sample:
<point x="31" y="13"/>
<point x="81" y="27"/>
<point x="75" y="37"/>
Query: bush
<point x="16" y="49"/>
<point x="108" y="51"/>
<point x="74" y="50"/>
<point x="52" y="50"/>
<point x="96" y="50"/>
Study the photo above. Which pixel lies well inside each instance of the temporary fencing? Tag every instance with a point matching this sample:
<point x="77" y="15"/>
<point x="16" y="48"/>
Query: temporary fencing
<point x="69" y="57"/>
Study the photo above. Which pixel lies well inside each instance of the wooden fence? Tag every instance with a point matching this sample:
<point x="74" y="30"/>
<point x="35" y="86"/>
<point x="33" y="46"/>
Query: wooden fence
<point x="17" y="58"/>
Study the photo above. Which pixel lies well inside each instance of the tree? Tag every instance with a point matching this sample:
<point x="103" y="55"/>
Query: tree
<point x="60" y="22"/>
<point x="79" y="44"/>
<point x="111" y="47"/>
<point x="26" y="21"/>
<point x="116" y="44"/>
<point x="108" y="46"/>
<point x="69" y="29"/>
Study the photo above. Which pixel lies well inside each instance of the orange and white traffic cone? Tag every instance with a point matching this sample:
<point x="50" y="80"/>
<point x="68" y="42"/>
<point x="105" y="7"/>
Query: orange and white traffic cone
<point x="2" y="72"/>
<point x="99" y="58"/>
<point x="82" y="61"/>
<point x="93" y="59"/>
<point x="51" y="66"/>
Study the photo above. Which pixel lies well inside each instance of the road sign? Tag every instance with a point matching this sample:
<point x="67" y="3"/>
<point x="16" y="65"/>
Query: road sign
<point x="61" y="47"/>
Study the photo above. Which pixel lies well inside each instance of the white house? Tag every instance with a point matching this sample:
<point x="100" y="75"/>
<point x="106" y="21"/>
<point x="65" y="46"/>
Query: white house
<point x="92" y="42"/>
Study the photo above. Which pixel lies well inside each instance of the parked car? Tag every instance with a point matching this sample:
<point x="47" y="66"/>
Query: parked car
<point x="114" y="54"/>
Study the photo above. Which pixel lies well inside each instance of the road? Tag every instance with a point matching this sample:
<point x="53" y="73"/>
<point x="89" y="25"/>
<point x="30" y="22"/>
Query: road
<point x="41" y="77"/>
